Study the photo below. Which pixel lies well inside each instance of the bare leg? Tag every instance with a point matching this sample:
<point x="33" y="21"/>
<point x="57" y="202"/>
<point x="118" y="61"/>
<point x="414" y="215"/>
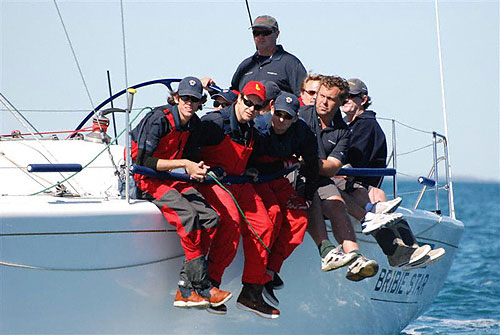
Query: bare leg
<point x="376" y="194"/>
<point x="353" y="207"/>
<point x="334" y="209"/>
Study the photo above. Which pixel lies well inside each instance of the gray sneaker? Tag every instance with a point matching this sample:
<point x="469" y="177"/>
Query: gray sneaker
<point x="362" y="268"/>
<point x="337" y="258"/>
<point x="379" y="221"/>
<point x="432" y="257"/>
<point x="405" y="254"/>
<point x="384" y="207"/>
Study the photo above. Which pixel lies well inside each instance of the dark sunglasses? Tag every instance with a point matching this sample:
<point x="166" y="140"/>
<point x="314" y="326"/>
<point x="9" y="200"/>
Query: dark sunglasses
<point x="283" y="114"/>
<point x="352" y="96"/>
<point x="262" y="32"/>
<point x="311" y="92"/>
<point x="249" y="103"/>
<point x="223" y="104"/>
<point x="187" y="98"/>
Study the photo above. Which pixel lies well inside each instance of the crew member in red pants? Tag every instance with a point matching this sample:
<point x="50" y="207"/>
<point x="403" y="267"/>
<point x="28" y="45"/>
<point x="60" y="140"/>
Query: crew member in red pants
<point x="227" y="142"/>
<point x="283" y="138"/>
<point x="159" y="142"/>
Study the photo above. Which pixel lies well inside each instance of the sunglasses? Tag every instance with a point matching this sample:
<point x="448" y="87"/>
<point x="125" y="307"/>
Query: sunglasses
<point x="223" y="104"/>
<point x="249" y="103"/>
<point x="311" y="92"/>
<point x="262" y="32"/>
<point x="352" y="96"/>
<point x="187" y="98"/>
<point x="283" y="114"/>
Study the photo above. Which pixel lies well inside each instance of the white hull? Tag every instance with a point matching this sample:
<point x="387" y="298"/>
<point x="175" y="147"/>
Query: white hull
<point x="92" y="265"/>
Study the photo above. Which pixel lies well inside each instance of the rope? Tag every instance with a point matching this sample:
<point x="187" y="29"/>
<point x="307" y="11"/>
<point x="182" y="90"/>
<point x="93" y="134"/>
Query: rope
<point x="414" y="150"/>
<point x="74" y="54"/>
<point x="405" y="125"/>
<point x="93" y="159"/>
<point x="212" y="175"/>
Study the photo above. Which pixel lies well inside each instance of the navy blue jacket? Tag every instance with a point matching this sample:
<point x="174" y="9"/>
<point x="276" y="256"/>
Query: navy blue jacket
<point x="282" y="67"/>
<point x="298" y="141"/>
<point x="368" y="147"/>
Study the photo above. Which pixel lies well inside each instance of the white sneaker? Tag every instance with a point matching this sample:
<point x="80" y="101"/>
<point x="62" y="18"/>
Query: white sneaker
<point x="432" y="257"/>
<point x="384" y="207"/>
<point x="337" y="258"/>
<point x="377" y="221"/>
<point x="362" y="268"/>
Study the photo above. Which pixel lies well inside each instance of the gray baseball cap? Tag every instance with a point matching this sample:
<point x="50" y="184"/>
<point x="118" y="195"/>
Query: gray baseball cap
<point x="266" y="22"/>
<point x="191" y="86"/>
<point x="287" y="102"/>
<point x="356" y="86"/>
<point x="272" y="89"/>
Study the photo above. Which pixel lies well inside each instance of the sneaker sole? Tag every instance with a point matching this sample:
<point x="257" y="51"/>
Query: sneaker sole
<point x="393" y="208"/>
<point x="216" y="312"/>
<point x="274" y="301"/>
<point x="263" y="315"/>
<point x="428" y="260"/>
<point x="190" y="304"/>
<point x="337" y="266"/>
<point x="426" y="248"/>
<point x="368" y="271"/>
<point x="392" y="222"/>
<point x="226" y="299"/>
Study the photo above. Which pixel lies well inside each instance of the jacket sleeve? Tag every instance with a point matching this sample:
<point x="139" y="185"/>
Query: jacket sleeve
<point x="153" y="129"/>
<point x="297" y="74"/>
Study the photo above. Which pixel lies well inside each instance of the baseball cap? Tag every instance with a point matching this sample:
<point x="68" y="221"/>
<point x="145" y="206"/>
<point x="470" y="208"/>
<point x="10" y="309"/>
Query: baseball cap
<point x="356" y="86"/>
<point x="287" y="102"/>
<point x="256" y="88"/>
<point x="272" y="89"/>
<point x="266" y="22"/>
<point x="228" y="95"/>
<point x="190" y="86"/>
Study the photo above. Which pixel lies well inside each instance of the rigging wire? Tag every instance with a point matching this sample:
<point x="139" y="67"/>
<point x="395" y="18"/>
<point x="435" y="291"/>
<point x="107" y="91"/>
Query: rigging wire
<point x="248" y="11"/>
<point x="15" y="112"/>
<point x="123" y="43"/>
<point x="74" y="54"/>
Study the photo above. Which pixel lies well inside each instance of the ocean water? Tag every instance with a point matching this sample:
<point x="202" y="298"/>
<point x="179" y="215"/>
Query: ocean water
<point x="469" y="302"/>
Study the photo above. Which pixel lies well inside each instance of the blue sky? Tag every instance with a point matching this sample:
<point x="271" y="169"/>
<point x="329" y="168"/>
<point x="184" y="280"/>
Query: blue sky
<point x="391" y="45"/>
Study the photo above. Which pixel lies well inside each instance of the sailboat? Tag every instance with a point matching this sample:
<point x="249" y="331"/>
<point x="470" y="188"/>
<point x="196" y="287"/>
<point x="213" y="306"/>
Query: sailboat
<point x="77" y="255"/>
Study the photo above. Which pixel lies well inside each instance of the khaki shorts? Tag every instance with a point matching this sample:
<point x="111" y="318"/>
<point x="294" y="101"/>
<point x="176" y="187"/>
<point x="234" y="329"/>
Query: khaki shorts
<point x="337" y="185"/>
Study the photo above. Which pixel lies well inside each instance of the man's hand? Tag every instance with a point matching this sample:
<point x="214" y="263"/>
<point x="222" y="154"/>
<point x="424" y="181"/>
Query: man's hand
<point x="197" y="171"/>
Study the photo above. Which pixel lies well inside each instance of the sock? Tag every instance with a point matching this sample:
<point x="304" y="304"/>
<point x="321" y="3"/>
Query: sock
<point x="324" y="247"/>
<point x="369" y="206"/>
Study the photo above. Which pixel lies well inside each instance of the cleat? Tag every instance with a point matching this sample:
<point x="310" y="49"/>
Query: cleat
<point x="362" y="268"/>
<point x="385" y="207"/>
<point x="250" y="300"/>
<point x="336" y="258"/>
<point x="189" y="298"/>
<point x="268" y="293"/>
<point x="380" y="221"/>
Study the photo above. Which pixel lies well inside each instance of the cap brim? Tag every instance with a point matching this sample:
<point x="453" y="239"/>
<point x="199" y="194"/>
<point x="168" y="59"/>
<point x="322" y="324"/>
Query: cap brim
<point x="191" y="93"/>
<point x="292" y="113"/>
<point x="262" y="26"/>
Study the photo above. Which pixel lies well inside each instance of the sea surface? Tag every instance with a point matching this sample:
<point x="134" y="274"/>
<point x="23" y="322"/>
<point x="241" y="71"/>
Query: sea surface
<point x="469" y="302"/>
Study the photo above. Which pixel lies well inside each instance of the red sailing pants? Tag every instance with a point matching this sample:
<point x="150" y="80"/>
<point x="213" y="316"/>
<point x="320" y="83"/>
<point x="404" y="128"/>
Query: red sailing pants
<point x="185" y="208"/>
<point x="231" y="225"/>
<point x="291" y="226"/>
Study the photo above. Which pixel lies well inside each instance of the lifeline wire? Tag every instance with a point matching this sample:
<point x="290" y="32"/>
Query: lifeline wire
<point x="211" y="175"/>
<point x="93" y="159"/>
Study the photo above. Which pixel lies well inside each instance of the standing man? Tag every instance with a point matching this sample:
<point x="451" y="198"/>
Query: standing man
<point x="227" y="142"/>
<point x="159" y="142"/>
<point x="332" y="134"/>
<point x="271" y="61"/>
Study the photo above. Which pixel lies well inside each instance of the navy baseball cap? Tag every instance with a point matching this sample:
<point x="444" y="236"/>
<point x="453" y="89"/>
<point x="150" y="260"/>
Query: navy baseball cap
<point x="272" y="89"/>
<point x="228" y="95"/>
<point x="356" y="86"/>
<point x="287" y="102"/>
<point x="191" y="86"/>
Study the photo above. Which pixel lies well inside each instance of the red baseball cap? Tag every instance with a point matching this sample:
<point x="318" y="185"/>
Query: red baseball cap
<point x="255" y="88"/>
